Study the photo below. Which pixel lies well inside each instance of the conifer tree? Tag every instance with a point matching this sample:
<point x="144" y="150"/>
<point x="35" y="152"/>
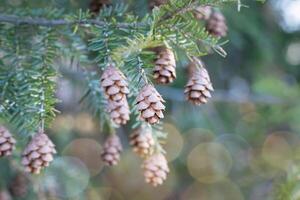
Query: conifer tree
<point x="120" y="87"/>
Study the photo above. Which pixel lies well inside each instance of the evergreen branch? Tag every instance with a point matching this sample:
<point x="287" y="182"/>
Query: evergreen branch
<point x="13" y="19"/>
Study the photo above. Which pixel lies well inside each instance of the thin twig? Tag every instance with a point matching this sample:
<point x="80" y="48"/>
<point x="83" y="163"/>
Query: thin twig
<point x="18" y="20"/>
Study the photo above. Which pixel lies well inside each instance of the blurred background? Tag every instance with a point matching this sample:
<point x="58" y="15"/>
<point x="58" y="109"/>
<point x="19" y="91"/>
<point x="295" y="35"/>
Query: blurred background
<point x="244" y="144"/>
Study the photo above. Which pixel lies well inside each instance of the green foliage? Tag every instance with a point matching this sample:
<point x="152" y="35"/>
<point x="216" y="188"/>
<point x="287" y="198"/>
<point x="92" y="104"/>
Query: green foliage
<point x="27" y="77"/>
<point x="114" y="35"/>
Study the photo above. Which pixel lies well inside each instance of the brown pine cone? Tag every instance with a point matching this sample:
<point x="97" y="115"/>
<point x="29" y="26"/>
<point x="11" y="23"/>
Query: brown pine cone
<point x="114" y="83"/>
<point x="119" y="111"/>
<point x="38" y="153"/>
<point x="198" y="88"/>
<point x="203" y="12"/>
<point x="155" y="169"/>
<point x="216" y="24"/>
<point x="156" y="3"/>
<point x="96" y="5"/>
<point x="7" y="142"/>
<point x="112" y="149"/>
<point x="150" y="104"/>
<point x="142" y="142"/>
<point x="19" y="186"/>
<point x="164" y="71"/>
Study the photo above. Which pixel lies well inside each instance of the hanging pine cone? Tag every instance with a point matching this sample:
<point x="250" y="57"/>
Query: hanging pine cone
<point x="198" y="88"/>
<point x="19" y="186"/>
<point x="155" y="169"/>
<point x="7" y="142"/>
<point x="156" y="3"/>
<point x="216" y="24"/>
<point x="96" y="5"/>
<point x="114" y="83"/>
<point x="150" y="104"/>
<point x="111" y="150"/>
<point x="142" y="142"/>
<point x="119" y="111"/>
<point x="38" y="153"/>
<point x="203" y="12"/>
<point x="164" y="71"/>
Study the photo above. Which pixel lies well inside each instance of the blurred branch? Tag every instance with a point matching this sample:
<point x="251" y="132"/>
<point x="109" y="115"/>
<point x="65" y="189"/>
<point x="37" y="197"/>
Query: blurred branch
<point x="221" y="96"/>
<point x="18" y="20"/>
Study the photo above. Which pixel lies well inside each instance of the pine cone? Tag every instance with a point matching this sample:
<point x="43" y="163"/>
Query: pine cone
<point x="96" y="5"/>
<point x="216" y="24"/>
<point x="203" y="12"/>
<point x="165" y="64"/>
<point x="150" y="104"/>
<point x="7" y="142"/>
<point x="155" y="169"/>
<point x="38" y="153"/>
<point x="198" y="88"/>
<point x="156" y="3"/>
<point x="142" y="142"/>
<point x="111" y="150"/>
<point x="19" y="186"/>
<point x="119" y="111"/>
<point x="114" y="84"/>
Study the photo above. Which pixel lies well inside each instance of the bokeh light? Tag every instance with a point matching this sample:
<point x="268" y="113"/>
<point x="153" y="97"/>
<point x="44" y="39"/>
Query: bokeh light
<point x="174" y="142"/>
<point x="84" y="123"/>
<point x="104" y="193"/>
<point x="63" y="123"/>
<point x="128" y="179"/>
<point x="276" y="151"/>
<point x="65" y="178"/>
<point x="88" y="151"/>
<point x="209" y="162"/>
<point x="223" y="190"/>
<point x="240" y="150"/>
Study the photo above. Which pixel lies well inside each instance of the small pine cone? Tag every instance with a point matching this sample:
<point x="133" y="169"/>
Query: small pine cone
<point x="96" y="5"/>
<point x="156" y="3"/>
<point x="150" y="104"/>
<point x="19" y="186"/>
<point x="38" y="153"/>
<point x="111" y="150"/>
<point x="198" y="88"/>
<point x="142" y="142"/>
<point x="7" y="142"/>
<point x="216" y="24"/>
<point x="114" y="84"/>
<point x="203" y="12"/>
<point x="119" y="111"/>
<point x="155" y="169"/>
<point x="164" y="71"/>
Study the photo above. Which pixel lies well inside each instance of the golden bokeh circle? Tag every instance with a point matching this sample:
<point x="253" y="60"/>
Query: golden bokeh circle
<point x="173" y="143"/>
<point x="88" y="151"/>
<point x="209" y="162"/>
<point x="276" y="151"/>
